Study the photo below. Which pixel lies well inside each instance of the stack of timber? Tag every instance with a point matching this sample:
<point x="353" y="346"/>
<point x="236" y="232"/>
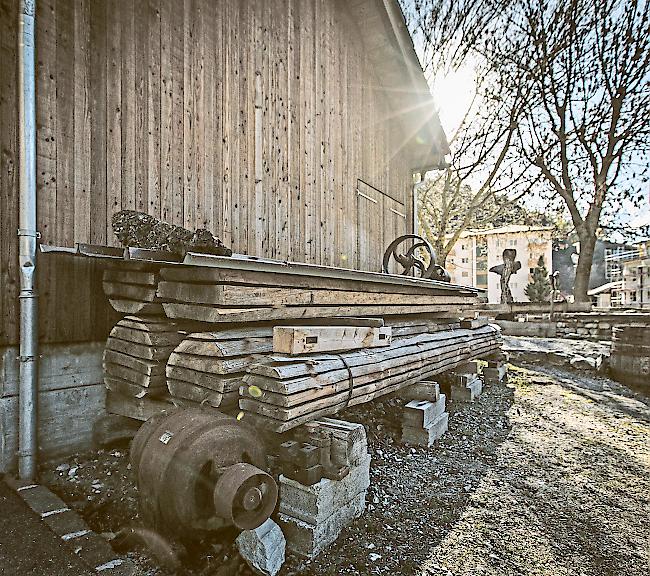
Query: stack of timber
<point x="243" y="290"/>
<point x="133" y="291"/>
<point x="207" y="368"/>
<point x="136" y="354"/>
<point x="283" y="392"/>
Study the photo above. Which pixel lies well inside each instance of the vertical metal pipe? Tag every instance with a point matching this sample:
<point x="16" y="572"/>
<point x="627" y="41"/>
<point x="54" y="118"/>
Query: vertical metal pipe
<point x="27" y="238"/>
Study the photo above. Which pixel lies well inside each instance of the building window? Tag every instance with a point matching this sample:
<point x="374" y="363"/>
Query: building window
<point x="465" y="274"/>
<point x="532" y="270"/>
<point x="481" y="280"/>
<point x="462" y="246"/>
<point x="464" y="260"/>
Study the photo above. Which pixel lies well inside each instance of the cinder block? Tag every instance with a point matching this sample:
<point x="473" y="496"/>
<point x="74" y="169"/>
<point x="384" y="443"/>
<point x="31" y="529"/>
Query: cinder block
<point x="426" y="436"/>
<point x="425" y="390"/>
<point x="309" y="540"/>
<point x="421" y="413"/>
<point x="456" y="379"/>
<point x="317" y="502"/>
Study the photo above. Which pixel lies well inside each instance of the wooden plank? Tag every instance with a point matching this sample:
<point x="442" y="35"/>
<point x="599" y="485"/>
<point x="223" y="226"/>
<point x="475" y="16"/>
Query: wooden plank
<point x="148" y="367"/>
<point x="155" y="339"/>
<point x="216" y="382"/>
<point x="136" y="408"/>
<point x="128" y="104"/>
<point x="225" y="348"/>
<point x="134" y="376"/>
<point x="113" y="115"/>
<point x="129" y="291"/>
<point x="153" y="103"/>
<point x="131" y="277"/>
<point x="309" y="339"/>
<point x="147" y="352"/>
<point x="226" y="295"/>
<point x="82" y="122"/>
<point x="141" y="77"/>
<point x="210" y="314"/>
<point x="195" y="393"/>
<point x="210" y="364"/>
<point x="135" y="306"/>
<point x="178" y="116"/>
<point x="204" y="275"/>
<point x="126" y="388"/>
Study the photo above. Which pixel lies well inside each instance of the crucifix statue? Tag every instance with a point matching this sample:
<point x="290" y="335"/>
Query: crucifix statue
<point x="505" y="270"/>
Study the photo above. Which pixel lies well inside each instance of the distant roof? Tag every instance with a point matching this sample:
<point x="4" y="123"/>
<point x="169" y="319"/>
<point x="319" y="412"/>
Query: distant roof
<point x="605" y="288"/>
<point x="512" y="229"/>
<point x="389" y="45"/>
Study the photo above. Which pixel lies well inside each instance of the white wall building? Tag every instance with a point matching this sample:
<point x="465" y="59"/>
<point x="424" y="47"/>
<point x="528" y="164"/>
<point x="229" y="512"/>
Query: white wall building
<point x="477" y="251"/>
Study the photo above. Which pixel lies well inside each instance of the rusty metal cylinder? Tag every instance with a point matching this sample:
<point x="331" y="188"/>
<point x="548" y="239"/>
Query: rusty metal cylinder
<point x="200" y="470"/>
<point x="630" y="357"/>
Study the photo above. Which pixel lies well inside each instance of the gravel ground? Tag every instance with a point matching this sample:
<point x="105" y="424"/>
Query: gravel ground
<point x="547" y="475"/>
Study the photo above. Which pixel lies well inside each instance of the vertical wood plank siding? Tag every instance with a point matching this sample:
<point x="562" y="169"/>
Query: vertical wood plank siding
<point x="254" y="119"/>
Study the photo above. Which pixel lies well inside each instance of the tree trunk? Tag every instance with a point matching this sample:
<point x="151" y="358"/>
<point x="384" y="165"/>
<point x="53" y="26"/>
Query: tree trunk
<point x="583" y="270"/>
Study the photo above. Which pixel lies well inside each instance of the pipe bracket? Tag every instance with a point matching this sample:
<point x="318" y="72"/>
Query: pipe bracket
<point x="30" y="233"/>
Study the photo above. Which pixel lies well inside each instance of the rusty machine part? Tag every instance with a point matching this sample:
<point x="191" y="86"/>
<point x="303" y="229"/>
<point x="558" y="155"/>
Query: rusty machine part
<point x="201" y="470"/>
<point x="411" y="263"/>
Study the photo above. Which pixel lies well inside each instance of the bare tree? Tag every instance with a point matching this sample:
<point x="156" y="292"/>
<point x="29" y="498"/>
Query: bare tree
<point x="582" y="67"/>
<point x="483" y="177"/>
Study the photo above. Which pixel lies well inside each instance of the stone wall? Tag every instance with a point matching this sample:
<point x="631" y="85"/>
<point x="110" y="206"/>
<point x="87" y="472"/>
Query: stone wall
<point x="594" y="325"/>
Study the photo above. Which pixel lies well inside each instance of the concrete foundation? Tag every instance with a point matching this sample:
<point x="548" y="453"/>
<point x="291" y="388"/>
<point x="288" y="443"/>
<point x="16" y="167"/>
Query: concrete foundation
<point x="71" y="396"/>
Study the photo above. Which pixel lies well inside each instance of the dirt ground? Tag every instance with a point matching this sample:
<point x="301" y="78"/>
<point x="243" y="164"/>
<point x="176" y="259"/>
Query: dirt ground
<point x="546" y="475"/>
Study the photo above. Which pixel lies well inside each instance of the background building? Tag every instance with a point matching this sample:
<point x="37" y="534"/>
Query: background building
<point x="636" y="278"/>
<point x="477" y="251"/>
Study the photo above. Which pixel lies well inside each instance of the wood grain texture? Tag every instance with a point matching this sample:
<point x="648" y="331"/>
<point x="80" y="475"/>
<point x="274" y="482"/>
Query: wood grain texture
<point x="252" y="119"/>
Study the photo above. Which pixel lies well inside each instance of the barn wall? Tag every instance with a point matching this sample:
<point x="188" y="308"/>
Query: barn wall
<point x="260" y="121"/>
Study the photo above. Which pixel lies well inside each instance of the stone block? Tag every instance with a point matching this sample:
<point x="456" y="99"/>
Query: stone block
<point x="426" y="436"/>
<point x="425" y="390"/>
<point x="308" y="540"/>
<point x="263" y="548"/>
<point x="421" y="413"/>
<point x="317" y="502"/>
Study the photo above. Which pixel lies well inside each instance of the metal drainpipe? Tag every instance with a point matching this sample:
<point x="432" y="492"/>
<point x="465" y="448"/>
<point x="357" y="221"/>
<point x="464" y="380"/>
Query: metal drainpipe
<point x="27" y="238"/>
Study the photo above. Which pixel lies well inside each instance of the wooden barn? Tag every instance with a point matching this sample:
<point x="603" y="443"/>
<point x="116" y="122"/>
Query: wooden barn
<point x="291" y="129"/>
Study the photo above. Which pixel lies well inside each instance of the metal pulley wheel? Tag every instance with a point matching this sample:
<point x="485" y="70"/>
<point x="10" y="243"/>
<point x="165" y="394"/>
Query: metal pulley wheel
<point x="411" y="263"/>
<point x="245" y="496"/>
<point x="199" y="470"/>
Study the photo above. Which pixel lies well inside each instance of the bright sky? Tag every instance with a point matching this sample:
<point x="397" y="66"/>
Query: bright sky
<point x="453" y="94"/>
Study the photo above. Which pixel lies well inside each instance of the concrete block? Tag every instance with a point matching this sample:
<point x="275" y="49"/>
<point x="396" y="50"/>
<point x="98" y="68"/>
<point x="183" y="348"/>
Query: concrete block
<point x="263" y="548"/>
<point x="425" y="390"/>
<point x="309" y="540"/>
<point x="349" y="441"/>
<point x="467" y="368"/>
<point x="421" y="413"/>
<point x="317" y="502"/>
<point x="426" y="436"/>
<point x="494" y="374"/>
<point x="467" y="393"/>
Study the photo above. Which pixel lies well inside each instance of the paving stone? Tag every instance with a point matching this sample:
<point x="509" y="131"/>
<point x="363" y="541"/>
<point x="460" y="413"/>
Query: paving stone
<point x="92" y="549"/>
<point x="425" y="390"/>
<point x="421" y="413"/>
<point x="309" y="540"/>
<point x="42" y="501"/>
<point x="317" y="502"/>
<point x="66" y="523"/>
<point x="426" y="436"/>
<point x="263" y="548"/>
